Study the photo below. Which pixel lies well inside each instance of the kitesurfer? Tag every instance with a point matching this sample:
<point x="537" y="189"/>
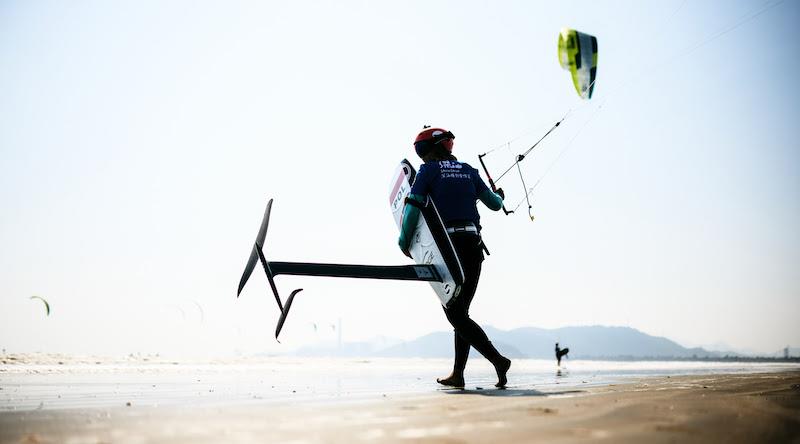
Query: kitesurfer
<point x="560" y="353"/>
<point x="455" y="188"/>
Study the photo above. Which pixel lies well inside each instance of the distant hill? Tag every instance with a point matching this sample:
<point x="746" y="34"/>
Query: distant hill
<point x="590" y="342"/>
<point x="583" y="342"/>
<point x="440" y="345"/>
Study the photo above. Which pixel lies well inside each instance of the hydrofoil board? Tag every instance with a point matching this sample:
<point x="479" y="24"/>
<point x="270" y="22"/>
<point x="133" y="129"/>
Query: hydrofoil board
<point x="430" y="243"/>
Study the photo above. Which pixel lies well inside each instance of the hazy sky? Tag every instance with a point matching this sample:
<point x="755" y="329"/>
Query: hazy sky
<point x="140" y="141"/>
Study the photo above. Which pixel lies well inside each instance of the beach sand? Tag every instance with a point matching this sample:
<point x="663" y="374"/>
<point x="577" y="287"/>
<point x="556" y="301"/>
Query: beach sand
<point x="762" y="407"/>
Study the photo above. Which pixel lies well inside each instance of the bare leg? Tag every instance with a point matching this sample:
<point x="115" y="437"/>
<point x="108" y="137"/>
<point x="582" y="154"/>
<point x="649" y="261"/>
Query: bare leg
<point x="501" y="366"/>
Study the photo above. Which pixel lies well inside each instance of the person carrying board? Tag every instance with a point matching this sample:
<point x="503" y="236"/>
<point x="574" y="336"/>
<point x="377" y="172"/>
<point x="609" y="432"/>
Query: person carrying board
<point x="454" y="187"/>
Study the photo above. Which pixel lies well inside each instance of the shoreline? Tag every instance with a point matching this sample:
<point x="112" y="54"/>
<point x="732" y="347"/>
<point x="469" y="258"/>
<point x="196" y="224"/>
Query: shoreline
<point x="741" y="407"/>
<point x="39" y="358"/>
<point x="64" y="382"/>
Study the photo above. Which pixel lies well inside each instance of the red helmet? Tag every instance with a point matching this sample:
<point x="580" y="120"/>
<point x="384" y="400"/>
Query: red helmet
<point x="429" y="137"/>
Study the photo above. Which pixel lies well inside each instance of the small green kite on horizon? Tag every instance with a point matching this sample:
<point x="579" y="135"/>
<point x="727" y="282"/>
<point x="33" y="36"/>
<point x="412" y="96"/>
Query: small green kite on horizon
<point x="46" y="304"/>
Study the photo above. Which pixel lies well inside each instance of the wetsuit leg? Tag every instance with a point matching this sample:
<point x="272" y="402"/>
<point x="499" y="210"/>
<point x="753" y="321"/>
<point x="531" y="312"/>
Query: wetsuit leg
<point x="468" y="332"/>
<point x="461" y="344"/>
<point x="461" y="353"/>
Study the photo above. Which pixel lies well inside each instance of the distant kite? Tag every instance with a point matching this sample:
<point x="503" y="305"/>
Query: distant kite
<point x="183" y="312"/>
<point x="202" y="312"/>
<point x="46" y="305"/>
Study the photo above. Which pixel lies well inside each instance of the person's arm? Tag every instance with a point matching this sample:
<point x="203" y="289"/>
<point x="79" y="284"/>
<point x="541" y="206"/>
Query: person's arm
<point x="410" y="219"/>
<point x="494" y="201"/>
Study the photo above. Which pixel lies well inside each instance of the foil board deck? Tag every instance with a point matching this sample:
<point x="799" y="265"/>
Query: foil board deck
<point x="430" y="244"/>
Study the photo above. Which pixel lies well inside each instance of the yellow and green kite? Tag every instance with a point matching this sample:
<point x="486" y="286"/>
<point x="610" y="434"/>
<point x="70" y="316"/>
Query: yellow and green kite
<point x="577" y="53"/>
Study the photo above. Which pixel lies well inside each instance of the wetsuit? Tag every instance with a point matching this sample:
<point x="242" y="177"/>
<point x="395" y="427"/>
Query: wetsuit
<point x="455" y="187"/>
<point x="560" y="353"/>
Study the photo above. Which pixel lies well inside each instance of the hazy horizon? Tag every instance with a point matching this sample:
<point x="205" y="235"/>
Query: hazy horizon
<point x="325" y="340"/>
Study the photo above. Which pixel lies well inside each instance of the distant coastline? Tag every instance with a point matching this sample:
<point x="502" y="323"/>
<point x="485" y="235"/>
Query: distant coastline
<point x="753" y="359"/>
<point x="589" y="343"/>
<point x="607" y="343"/>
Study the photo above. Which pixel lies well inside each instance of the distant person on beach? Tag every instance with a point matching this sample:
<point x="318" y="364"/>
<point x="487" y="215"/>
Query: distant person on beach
<point x="455" y="187"/>
<point x="560" y="353"/>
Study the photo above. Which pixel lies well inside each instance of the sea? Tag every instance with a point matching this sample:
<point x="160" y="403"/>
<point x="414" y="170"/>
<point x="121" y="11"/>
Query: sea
<point x="143" y="382"/>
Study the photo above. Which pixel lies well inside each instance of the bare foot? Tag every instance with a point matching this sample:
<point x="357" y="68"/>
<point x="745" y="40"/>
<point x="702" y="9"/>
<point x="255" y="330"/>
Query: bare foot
<point x="502" y="368"/>
<point x="452" y="381"/>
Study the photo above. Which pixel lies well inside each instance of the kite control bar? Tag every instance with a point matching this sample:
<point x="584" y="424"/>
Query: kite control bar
<point x="520" y="158"/>
<point x="271" y="269"/>
<point x="491" y="181"/>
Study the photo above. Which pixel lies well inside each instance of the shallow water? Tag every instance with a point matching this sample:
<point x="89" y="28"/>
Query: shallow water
<point x="310" y="380"/>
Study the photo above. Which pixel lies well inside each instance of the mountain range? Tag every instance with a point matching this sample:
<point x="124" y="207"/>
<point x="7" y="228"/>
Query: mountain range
<point x="584" y="342"/>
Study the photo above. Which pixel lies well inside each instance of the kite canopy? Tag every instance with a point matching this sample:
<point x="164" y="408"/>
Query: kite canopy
<point x="46" y="305"/>
<point x="577" y="53"/>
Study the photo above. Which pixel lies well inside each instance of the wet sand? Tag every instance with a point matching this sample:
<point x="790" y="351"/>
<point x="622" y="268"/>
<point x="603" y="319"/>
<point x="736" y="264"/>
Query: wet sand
<point x="762" y="407"/>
